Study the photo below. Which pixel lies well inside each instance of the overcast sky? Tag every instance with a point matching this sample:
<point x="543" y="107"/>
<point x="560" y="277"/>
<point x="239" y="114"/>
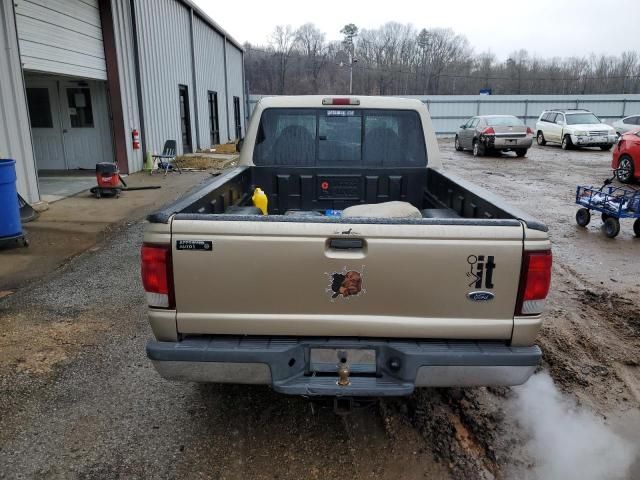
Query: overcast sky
<point x="546" y="28"/>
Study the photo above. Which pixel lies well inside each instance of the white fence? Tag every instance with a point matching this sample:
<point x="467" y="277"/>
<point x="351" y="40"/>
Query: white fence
<point x="448" y="112"/>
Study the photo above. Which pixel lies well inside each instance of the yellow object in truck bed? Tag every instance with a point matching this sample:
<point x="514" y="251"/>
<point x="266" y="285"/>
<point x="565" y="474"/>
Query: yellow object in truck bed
<point x="260" y="200"/>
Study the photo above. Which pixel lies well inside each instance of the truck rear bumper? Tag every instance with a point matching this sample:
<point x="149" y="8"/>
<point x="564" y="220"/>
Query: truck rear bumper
<point x="399" y="366"/>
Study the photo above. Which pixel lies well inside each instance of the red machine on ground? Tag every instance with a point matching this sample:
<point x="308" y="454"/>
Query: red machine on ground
<point x="110" y="182"/>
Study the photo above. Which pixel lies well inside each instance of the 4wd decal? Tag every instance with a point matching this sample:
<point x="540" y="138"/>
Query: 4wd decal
<point x="345" y="284"/>
<point x="481" y="271"/>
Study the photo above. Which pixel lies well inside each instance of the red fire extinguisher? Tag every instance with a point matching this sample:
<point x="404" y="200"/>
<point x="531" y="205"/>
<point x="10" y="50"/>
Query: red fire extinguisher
<point x="135" y="135"/>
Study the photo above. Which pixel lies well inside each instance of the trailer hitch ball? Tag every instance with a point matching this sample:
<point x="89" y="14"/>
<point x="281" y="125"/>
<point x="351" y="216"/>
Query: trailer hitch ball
<point x="343" y="375"/>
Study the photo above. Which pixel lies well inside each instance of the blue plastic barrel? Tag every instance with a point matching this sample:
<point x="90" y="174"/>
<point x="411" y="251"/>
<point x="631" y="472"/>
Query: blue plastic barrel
<point x="10" y="225"/>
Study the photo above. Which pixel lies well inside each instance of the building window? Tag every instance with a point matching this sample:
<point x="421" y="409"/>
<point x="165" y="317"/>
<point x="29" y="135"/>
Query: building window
<point x="185" y="119"/>
<point x="214" y="132"/>
<point x="237" y="118"/>
<point x="80" y="111"/>
<point x="39" y="108"/>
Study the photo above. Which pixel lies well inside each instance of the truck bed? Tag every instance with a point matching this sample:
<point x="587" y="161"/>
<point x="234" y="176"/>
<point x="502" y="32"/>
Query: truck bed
<point x="441" y="197"/>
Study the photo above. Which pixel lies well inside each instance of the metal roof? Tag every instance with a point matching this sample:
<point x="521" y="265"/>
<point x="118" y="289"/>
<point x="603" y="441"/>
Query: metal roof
<point x="207" y="19"/>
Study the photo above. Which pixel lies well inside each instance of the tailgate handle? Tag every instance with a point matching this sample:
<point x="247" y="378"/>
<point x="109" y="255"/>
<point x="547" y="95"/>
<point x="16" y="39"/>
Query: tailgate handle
<point x="346" y="243"/>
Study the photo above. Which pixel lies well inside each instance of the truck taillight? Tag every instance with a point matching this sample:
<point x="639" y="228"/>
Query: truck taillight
<point x="529" y="131"/>
<point x="157" y="277"/>
<point x="535" y="280"/>
<point x="340" y="101"/>
<point x="489" y="131"/>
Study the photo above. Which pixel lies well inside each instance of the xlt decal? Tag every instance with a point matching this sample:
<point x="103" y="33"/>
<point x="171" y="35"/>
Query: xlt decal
<point x="346" y="283"/>
<point x="206" y="245"/>
<point x="481" y="271"/>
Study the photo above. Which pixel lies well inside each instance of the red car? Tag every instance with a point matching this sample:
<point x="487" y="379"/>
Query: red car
<point x="626" y="157"/>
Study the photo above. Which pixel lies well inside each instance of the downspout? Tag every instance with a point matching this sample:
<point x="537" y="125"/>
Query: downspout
<point x="195" y="83"/>
<point x="245" y="92"/>
<point x="226" y="89"/>
<point x="136" y="61"/>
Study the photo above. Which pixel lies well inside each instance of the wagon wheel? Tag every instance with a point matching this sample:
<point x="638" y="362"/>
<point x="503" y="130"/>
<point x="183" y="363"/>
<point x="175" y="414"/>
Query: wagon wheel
<point x="605" y="216"/>
<point x="583" y="217"/>
<point x="611" y="227"/>
<point x="636" y="227"/>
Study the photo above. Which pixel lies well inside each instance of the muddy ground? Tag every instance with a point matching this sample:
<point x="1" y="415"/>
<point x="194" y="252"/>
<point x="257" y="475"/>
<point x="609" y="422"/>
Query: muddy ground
<point x="78" y="399"/>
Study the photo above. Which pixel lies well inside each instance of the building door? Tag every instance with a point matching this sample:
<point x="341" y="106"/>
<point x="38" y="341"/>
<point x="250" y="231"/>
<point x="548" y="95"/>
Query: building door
<point x="85" y="124"/>
<point x="214" y="124"/>
<point x="185" y="120"/>
<point x="46" y="127"/>
<point x="237" y="117"/>
<point x="69" y="122"/>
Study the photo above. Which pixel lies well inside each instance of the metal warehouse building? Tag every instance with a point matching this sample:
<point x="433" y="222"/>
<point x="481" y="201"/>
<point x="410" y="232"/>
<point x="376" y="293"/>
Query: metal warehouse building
<point x="78" y="77"/>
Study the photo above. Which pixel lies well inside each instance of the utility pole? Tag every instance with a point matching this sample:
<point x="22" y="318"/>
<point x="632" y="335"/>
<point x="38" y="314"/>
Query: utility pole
<point x="352" y="60"/>
<point x="350" y="73"/>
<point x="350" y="31"/>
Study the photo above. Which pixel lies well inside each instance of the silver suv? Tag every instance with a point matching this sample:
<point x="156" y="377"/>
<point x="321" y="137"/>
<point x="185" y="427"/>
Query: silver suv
<point x="574" y="128"/>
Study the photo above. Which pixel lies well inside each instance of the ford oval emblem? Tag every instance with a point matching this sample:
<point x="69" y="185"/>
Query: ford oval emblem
<point x="480" y="296"/>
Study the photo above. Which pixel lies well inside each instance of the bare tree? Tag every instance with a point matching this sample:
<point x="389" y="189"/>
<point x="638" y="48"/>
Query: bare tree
<point x="312" y="46"/>
<point x="283" y="42"/>
<point x="397" y="59"/>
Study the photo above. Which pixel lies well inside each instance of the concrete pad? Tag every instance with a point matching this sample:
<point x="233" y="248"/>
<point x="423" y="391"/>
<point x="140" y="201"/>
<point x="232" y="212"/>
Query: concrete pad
<point x="77" y="223"/>
<point x="53" y="189"/>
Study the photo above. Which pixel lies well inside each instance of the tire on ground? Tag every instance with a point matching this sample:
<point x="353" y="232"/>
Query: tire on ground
<point x="611" y="227"/>
<point x="583" y="217"/>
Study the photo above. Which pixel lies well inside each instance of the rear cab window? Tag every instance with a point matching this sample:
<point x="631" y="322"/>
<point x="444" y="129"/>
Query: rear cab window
<point x="340" y="137"/>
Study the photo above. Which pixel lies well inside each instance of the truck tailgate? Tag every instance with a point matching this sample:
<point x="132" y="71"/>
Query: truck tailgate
<point x="374" y="280"/>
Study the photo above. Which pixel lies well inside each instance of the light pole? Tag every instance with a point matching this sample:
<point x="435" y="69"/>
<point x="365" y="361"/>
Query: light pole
<point x="350" y="31"/>
<point x="350" y="73"/>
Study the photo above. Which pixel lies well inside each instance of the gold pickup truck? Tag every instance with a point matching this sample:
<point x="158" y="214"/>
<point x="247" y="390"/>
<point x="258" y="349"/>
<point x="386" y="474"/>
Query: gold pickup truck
<point x="373" y="272"/>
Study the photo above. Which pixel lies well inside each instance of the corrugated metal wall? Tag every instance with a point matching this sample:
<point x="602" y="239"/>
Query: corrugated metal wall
<point x="236" y="87"/>
<point x="448" y="112"/>
<point x="164" y="42"/>
<point x="15" y="132"/>
<point x="61" y="36"/>
<point x="209" y="63"/>
<point x="123" y="32"/>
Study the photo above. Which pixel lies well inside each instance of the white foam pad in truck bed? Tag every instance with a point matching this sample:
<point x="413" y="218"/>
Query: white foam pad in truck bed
<point x="383" y="210"/>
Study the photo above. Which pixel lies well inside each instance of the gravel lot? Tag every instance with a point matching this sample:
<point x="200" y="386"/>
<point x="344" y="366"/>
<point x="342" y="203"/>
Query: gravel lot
<point x="78" y="398"/>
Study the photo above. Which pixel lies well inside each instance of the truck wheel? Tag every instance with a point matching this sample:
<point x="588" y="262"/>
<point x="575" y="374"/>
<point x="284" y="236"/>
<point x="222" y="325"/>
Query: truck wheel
<point x="457" y="144"/>
<point x="478" y="149"/>
<point x="625" y="169"/>
<point x="611" y="227"/>
<point x="521" y="152"/>
<point x="567" y="144"/>
<point x="540" y="139"/>
<point x="606" y="148"/>
<point x="583" y="217"/>
<point x="636" y="227"/>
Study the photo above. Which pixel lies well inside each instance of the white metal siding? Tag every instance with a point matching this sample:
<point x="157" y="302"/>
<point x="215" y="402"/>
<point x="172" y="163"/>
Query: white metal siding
<point x="236" y="88"/>
<point x="209" y="63"/>
<point x="165" y="62"/>
<point x="123" y="33"/>
<point x="15" y="138"/>
<point x="61" y="36"/>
